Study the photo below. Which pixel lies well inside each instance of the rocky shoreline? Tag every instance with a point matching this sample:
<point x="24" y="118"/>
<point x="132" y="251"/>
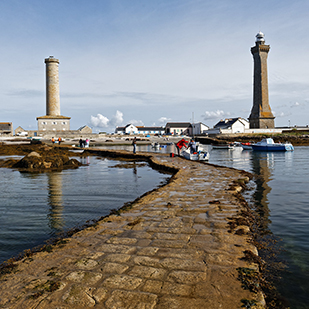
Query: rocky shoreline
<point x="182" y="245"/>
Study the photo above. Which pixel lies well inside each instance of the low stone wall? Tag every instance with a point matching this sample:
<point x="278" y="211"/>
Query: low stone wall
<point x="171" y="248"/>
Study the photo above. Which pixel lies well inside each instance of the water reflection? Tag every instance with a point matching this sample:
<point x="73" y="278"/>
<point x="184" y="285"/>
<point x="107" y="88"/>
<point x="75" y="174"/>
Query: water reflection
<point x="35" y="206"/>
<point x="262" y="165"/>
<point x="55" y="202"/>
<point x="135" y="172"/>
<point x="85" y="160"/>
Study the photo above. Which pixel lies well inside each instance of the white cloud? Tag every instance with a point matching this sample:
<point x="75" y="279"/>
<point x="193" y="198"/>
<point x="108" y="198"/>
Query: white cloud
<point x="99" y="121"/>
<point x="117" y="120"/>
<point x="164" y="120"/>
<point x="136" y="122"/>
<point x="215" y="114"/>
<point x="281" y="114"/>
<point x="295" y="104"/>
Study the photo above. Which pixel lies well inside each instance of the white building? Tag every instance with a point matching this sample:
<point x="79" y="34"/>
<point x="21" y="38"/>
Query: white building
<point x="132" y="129"/>
<point x="230" y="126"/>
<point x="178" y="128"/>
<point x="128" y="129"/>
<point x="151" y="130"/>
<point x="199" y="128"/>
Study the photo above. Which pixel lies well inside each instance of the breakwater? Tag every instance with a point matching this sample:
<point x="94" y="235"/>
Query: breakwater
<point x="172" y="248"/>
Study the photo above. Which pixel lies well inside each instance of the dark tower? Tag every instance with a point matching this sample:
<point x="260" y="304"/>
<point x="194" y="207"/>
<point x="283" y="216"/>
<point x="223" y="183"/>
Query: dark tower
<point x="261" y="115"/>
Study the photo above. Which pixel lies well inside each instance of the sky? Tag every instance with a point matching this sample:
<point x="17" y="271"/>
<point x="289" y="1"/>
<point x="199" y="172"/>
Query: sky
<point x="148" y="62"/>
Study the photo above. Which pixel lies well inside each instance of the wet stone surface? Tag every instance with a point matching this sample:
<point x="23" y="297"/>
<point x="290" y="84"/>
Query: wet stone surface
<point x="171" y="250"/>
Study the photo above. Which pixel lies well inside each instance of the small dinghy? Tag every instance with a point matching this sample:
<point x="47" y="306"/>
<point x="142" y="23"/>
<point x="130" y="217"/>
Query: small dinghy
<point x="155" y="145"/>
<point x="200" y="155"/>
<point x="246" y="146"/>
<point x="223" y="146"/>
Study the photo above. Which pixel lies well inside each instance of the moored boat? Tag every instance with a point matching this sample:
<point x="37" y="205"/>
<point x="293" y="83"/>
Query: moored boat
<point x="223" y="146"/>
<point x="268" y="144"/>
<point x="200" y="155"/>
<point x="246" y="146"/>
<point x="155" y="145"/>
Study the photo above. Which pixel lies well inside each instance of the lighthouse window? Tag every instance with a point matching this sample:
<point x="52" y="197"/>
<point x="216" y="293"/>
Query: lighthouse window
<point x="64" y="122"/>
<point x="54" y="122"/>
<point x="44" y="122"/>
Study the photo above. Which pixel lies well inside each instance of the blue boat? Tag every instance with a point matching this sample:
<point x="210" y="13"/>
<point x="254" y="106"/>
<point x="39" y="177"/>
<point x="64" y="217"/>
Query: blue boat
<point x="268" y="144"/>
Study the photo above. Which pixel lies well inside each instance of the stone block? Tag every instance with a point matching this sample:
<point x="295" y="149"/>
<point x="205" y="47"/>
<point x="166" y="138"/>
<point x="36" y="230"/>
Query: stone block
<point x="117" y="258"/>
<point x="191" y="265"/>
<point x="86" y="263"/>
<point x="148" y="272"/>
<point x="176" y="289"/>
<point x="114" y="268"/>
<point x="122" y="241"/>
<point x="152" y="286"/>
<point x="122" y="282"/>
<point x="147" y="251"/>
<point x="169" y="236"/>
<point x="127" y="299"/>
<point x="143" y="242"/>
<point x="168" y="243"/>
<point x="177" y="302"/>
<point x="77" y="295"/>
<point x="112" y="248"/>
<point x="188" y="277"/>
<point x="147" y="261"/>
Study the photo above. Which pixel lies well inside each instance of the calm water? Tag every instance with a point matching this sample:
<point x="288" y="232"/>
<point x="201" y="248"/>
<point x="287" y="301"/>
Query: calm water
<point x="285" y="193"/>
<point x="35" y="207"/>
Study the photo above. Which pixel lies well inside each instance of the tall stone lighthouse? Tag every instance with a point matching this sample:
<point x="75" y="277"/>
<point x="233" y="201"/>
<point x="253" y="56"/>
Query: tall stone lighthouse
<point x="53" y="121"/>
<point x="261" y="115"/>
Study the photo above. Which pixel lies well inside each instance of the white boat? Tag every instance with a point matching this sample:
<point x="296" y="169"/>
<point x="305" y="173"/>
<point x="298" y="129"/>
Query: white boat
<point x="236" y="144"/>
<point x="200" y="155"/>
<point x="223" y="146"/>
<point x="268" y="144"/>
<point x="155" y="145"/>
<point x="246" y="146"/>
<point x="77" y="150"/>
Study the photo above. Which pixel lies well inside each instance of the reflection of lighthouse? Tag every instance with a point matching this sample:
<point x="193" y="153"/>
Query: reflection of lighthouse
<point x="262" y="165"/>
<point x="55" y="200"/>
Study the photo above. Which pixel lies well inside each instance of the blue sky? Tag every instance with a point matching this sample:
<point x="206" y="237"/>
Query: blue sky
<point x="148" y="62"/>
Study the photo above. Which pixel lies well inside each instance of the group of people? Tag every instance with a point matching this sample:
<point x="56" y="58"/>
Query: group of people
<point x="54" y="140"/>
<point x="182" y="143"/>
<point x="191" y="145"/>
<point x="84" y="143"/>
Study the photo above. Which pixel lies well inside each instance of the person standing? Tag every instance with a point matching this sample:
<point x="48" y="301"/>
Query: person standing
<point x="53" y="140"/>
<point x="59" y="140"/>
<point x="180" y="144"/>
<point x="192" y="146"/>
<point x="134" y="145"/>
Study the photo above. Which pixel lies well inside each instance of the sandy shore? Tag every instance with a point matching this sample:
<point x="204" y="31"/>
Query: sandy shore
<point x="173" y="248"/>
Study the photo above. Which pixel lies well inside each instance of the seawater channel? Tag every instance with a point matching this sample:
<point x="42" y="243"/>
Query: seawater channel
<point x="34" y="207"/>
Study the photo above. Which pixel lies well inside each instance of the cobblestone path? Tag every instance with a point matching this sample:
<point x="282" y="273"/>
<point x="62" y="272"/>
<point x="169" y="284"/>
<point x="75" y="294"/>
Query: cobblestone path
<point x="171" y="250"/>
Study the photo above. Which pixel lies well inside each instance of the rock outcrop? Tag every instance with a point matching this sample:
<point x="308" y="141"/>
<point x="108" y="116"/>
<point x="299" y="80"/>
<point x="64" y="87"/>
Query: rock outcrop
<point x="38" y="157"/>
